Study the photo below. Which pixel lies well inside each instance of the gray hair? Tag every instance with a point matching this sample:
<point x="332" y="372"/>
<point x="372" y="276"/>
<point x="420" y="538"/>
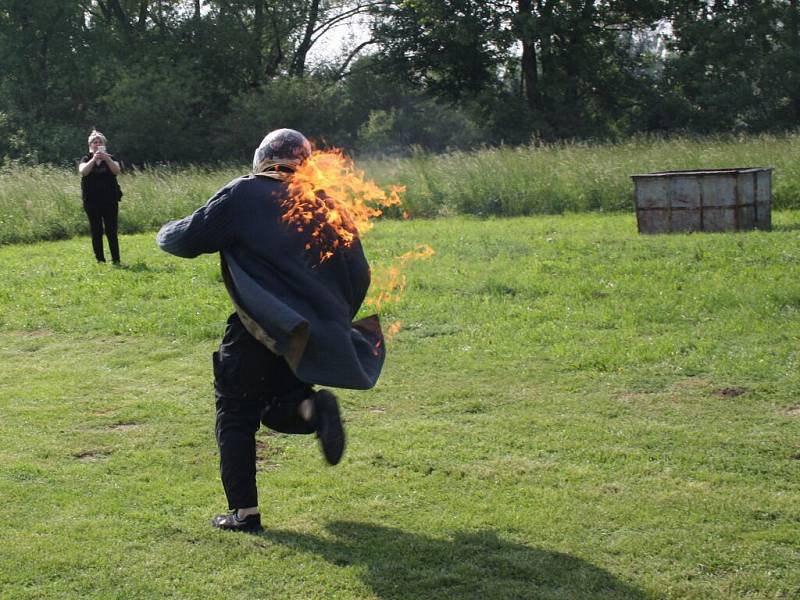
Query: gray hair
<point x="94" y="135"/>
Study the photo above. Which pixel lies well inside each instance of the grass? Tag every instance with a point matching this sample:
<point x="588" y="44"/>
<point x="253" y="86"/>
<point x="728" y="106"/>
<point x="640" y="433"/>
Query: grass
<point x="43" y="203"/>
<point x="570" y="410"/>
<point x="576" y="176"/>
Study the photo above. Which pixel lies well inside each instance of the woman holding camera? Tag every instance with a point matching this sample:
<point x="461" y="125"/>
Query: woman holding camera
<point x="101" y="195"/>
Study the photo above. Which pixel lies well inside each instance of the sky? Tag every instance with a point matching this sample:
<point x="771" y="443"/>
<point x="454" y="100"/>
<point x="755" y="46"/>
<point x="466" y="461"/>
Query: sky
<point x="339" y="40"/>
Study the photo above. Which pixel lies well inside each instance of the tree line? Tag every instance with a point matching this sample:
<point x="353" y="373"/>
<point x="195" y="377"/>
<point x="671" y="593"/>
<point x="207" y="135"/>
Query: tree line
<point x="203" y="80"/>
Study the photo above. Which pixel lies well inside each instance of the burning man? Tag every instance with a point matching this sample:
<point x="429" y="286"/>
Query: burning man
<point x="292" y="324"/>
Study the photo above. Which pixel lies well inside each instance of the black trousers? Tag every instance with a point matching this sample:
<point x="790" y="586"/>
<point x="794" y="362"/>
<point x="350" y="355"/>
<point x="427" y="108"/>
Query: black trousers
<point x="252" y="385"/>
<point x="103" y="215"/>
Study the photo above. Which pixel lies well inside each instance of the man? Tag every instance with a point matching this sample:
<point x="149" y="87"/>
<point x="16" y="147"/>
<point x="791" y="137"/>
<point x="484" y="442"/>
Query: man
<point x="291" y="328"/>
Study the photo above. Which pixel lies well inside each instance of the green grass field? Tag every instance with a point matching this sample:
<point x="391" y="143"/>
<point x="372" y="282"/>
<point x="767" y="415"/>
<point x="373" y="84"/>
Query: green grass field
<point x="570" y="410"/>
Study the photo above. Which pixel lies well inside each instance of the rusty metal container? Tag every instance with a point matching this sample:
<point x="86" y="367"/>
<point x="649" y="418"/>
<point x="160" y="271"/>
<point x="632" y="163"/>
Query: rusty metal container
<point x="704" y="200"/>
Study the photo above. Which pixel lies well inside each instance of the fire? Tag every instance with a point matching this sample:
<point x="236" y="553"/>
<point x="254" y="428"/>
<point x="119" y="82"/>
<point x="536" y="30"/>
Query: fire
<point x="392" y="283"/>
<point x="329" y="196"/>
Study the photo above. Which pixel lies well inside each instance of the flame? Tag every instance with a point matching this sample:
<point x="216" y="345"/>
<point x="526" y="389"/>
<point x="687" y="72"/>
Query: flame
<point x="391" y="284"/>
<point x="392" y="330"/>
<point x="331" y="198"/>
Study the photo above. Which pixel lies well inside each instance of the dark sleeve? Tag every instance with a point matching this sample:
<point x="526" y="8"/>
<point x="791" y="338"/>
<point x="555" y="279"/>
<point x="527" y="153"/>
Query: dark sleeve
<point x="209" y="229"/>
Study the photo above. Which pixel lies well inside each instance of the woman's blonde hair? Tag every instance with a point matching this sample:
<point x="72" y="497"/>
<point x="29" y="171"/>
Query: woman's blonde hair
<point x="94" y="135"/>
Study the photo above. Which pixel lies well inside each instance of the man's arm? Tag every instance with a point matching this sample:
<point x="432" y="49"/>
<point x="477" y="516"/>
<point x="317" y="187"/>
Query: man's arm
<point x="209" y="229"/>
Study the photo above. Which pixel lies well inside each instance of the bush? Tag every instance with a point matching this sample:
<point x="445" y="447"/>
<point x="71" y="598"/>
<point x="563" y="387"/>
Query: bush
<point x="427" y="124"/>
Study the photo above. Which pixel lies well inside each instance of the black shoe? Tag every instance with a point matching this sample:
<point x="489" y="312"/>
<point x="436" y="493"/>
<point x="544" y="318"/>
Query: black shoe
<point x="329" y="426"/>
<point x="233" y="523"/>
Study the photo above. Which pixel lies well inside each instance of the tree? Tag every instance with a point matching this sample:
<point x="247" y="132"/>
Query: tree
<point x="736" y="65"/>
<point x="571" y="57"/>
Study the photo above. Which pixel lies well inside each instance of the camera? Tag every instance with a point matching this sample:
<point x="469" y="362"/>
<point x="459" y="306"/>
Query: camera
<point x="99" y="149"/>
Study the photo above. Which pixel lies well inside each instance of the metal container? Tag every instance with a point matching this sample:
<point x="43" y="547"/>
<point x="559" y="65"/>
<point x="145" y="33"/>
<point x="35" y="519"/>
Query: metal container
<point x="704" y="200"/>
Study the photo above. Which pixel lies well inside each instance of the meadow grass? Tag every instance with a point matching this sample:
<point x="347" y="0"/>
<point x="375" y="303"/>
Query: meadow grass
<point x="43" y="203"/>
<point x="582" y="176"/>
<point x="570" y="410"/>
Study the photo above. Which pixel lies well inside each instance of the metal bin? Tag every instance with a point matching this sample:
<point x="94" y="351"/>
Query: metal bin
<point x="704" y="200"/>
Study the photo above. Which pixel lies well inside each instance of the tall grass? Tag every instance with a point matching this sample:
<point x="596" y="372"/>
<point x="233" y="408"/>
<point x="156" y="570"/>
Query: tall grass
<point x="38" y="203"/>
<point x="576" y="177"/>
<point x="44" y="203"/>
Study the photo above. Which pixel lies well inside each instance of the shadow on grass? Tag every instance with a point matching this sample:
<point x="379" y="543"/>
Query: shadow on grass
<point x="477" y="565"/>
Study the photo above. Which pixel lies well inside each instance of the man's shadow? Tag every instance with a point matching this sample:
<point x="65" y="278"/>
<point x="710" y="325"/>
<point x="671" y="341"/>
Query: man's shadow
<point x="479" y="565"/>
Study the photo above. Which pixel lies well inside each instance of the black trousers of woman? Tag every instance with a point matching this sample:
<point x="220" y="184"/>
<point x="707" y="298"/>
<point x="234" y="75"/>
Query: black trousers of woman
<point x="251" y="384"/>
<point x="103" y="216"/>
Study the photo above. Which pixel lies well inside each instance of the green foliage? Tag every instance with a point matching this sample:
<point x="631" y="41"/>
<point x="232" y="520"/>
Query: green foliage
<point x="570" y="410"/>
<point x="198" y="82"/>
<point x="157" y="113"/>
<point x="426" y="124"/>
<point x="307" y="104"/>
<point x="735" y="65"/>
<point x="453" y="48"/>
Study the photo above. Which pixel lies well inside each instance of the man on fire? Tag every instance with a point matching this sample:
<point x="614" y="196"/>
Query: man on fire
<point x="292" y="324"/>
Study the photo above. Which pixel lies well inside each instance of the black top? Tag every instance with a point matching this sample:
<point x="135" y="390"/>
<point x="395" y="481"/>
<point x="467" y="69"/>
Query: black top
<point x="101" y="184"/>
<point x="297" y="306"/>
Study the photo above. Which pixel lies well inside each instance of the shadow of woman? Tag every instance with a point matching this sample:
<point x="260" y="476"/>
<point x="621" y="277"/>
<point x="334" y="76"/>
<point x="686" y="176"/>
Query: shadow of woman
<point x="480" y="565"/>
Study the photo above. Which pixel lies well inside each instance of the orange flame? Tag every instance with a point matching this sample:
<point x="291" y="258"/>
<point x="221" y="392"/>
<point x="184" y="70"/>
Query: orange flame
<point x="331" y="197"/>
<point x="392" y="283"/>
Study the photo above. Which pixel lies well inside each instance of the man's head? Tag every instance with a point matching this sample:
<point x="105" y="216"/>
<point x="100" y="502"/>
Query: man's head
<point x="282" y="147"/>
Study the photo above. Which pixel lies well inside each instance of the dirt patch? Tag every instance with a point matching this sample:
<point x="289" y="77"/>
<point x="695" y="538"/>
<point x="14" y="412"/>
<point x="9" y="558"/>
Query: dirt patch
<point x="33" y="333"/>
<point x="103" y="412"/>
<point x="90" y="455"/>
<point x="731" y="392"/>
<point x="266" y="456"/>
<point x="40" y="333"/>
<point x="125" y="426"/>
<point x="792" y="411"/>
<point x="691" y="384"/>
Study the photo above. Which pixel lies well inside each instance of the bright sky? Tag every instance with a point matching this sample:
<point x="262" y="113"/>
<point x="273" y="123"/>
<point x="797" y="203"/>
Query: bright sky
<point x="339" y="40"/>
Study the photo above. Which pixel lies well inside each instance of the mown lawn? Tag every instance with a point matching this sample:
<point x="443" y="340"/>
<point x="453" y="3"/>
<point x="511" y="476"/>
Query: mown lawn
<point x="570" y="410"/>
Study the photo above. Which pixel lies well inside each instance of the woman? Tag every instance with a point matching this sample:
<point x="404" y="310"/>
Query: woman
<point x="101" y="195"/>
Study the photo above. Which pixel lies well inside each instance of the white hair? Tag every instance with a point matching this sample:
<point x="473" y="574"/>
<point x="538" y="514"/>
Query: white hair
<point x="96" y="134"/>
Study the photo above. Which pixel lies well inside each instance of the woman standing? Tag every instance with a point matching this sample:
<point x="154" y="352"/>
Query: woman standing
<point x="101" y="195"/>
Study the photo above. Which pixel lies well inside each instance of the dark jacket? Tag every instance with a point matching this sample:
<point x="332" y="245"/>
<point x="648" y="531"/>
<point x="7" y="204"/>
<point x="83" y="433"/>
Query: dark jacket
<point x="300" y="308"/>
